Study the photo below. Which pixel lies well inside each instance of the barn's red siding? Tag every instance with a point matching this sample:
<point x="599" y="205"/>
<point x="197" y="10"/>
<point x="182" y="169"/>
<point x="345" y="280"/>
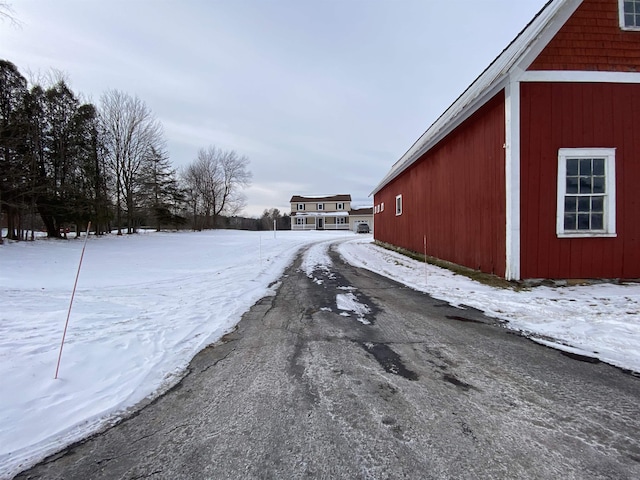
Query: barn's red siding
<point x="592" y="40"/>
<point x="455" y="195"/>
<point x="559" y="115"/>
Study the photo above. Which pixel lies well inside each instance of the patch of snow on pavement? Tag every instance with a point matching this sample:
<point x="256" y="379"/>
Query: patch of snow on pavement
<point x="317" y="258"/>
<point x="348" y="302"/>
<point x="601" y="321"/>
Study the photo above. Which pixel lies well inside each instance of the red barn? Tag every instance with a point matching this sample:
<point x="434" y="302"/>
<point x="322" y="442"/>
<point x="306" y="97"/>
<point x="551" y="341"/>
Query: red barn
<point x="534" y="171"/>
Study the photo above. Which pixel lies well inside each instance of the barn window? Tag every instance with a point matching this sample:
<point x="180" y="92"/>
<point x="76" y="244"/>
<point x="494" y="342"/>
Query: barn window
<point x="629" y="14"/>
<point x="398" y="204"/>
<point x="586" y="204"/>
<point x="382" y="207"/>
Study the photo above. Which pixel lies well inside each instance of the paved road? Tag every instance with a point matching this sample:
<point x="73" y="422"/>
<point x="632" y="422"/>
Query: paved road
<point x="411" y="388"/>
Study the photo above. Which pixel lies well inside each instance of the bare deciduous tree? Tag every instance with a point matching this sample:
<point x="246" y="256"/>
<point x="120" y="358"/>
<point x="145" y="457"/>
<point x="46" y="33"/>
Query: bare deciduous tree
<point x="131" y="132"/>
<point x="7" y="13"/>
<point x="215" y="180"/>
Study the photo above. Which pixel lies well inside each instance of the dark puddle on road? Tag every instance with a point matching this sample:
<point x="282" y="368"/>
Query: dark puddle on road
<point x="580" y="358"/>
<point x="389" y="360"/>
<point x="458" y="383"/>
<point x="462" y="319"/>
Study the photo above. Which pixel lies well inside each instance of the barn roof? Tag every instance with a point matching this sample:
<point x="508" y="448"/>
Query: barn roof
<point x="493" y="79"/>
<point x="321" y="198"/>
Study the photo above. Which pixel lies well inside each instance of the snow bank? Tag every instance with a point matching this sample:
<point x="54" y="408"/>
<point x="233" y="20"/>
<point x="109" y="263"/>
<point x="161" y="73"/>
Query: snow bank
<point x="600" y="321"/>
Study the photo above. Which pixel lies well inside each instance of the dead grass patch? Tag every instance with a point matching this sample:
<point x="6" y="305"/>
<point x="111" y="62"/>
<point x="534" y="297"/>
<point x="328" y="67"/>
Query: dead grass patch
<point x="481" y="277"/>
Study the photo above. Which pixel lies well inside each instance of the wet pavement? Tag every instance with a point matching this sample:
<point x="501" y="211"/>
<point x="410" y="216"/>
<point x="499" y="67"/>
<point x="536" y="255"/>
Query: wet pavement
<point x="350" y="375"/>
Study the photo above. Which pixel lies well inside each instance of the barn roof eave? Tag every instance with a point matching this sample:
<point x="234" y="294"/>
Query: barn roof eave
<point x="496" y="74"/>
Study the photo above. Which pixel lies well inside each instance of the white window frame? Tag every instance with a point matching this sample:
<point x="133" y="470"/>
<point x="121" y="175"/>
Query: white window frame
<point x="340" y="221"/>
<point x="320" y="206"/>
<point x="301" y="206"/>
<point x="398" y="205"/>
<point x="382" y="207"/>
<point x="623" y="24"/>
<point x="300" y="221"/>
<point x="609" y="221"/>
<point x="340" y="206"/>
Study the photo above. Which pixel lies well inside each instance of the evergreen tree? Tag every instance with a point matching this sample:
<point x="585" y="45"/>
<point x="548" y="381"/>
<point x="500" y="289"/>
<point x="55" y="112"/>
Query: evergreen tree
<point x="68" y="163"/>
<point x="162" y="194"/>
<point x="13" y="89"/>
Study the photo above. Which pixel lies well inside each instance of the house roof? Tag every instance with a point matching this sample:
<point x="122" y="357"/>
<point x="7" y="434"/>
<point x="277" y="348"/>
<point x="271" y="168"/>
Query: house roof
<point x="321" y="198"/>
<point x="361" y="211"/>
<point x="540" y="30"/>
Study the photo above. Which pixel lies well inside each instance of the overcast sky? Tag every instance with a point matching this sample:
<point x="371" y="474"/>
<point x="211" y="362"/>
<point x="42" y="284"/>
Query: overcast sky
<point x="322" y="96"/>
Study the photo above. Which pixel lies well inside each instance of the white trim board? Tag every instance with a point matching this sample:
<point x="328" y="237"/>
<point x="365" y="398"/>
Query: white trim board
<point x="579" y="76"/>
<point x="512" y="181"/>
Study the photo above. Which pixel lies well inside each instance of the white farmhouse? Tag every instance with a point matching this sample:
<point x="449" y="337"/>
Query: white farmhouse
<point x="327" y="212"/>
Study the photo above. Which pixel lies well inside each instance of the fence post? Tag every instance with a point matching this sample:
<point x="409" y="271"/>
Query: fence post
<point x="73" y="293"/>
<point x="425" y="260"/>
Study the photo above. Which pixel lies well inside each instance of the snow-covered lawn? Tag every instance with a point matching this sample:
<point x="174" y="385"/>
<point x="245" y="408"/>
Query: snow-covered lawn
<point x="146" y="304"/>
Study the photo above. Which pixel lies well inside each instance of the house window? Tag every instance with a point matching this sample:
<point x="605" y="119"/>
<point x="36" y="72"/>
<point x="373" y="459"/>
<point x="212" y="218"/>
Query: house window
<point x="321" y="206"/>
<point x="340" y="206"/>
<point x="299" y="220"/>
<point x="586" y="204"/>
<point x="301" y="206"/>
<point x="398" y="204"/>
<point x="629" y="14"/>
<point x="340" y="220"/>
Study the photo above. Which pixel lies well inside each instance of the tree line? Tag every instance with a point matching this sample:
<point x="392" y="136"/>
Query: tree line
<point x="65" y="162"/>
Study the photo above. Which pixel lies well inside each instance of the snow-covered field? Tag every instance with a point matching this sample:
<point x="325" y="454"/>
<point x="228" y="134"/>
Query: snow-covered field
<point x="146" y="304"/>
